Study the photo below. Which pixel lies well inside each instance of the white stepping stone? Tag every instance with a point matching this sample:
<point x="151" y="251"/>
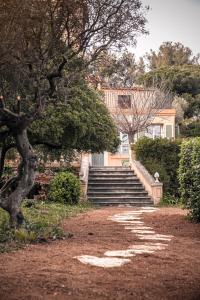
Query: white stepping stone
<point x="143" y="231"/>
<point x="148" y="208"/>
<point x="127" y="253"/>
<point x="127" y="218"/>
<point x="138" y="227"/>
<point x="130" y="222"/>
<point x="132" y="213"/>
<point x="155" y="237"/>
<point x="104" y="262"/>
<point x="149" y="247"/>
<point x="120" y="253"/>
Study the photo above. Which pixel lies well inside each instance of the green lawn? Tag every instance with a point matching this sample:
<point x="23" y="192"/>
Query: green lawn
<point x="43" y="220"/>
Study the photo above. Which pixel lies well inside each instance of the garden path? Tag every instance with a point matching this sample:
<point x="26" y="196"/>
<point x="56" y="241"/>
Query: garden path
<point x="159" y="248"/>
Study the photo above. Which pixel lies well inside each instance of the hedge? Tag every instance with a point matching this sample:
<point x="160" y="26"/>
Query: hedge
<point x="65" y="187"/>
<point x="161" y="155"/>
<point x="189" y="176"/>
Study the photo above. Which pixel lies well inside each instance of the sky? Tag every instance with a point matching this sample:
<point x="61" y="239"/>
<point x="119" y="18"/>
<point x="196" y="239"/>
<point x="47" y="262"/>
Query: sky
<point x="170" y="20"/>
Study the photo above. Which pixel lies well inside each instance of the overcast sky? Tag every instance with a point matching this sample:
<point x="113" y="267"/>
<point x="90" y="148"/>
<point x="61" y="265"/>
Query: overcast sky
<point x="171" y="20"/>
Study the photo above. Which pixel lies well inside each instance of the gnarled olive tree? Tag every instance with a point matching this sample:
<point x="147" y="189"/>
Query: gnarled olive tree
<point x="39" y="42"/>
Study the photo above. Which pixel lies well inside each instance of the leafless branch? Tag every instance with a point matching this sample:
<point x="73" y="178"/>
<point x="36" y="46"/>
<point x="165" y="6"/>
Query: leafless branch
<point x="136" y="108"/>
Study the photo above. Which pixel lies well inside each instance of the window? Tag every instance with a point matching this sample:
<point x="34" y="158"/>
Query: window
<point x="124" y="146"/>
<point x="154" y="131"/>
<point x="124" y="101"/>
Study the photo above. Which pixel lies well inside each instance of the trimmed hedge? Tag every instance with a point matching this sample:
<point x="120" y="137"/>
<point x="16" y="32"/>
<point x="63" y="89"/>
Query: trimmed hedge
<point x="189" y="176"/>
<point x="65" y="188"/>
<point x="162" y="156"/>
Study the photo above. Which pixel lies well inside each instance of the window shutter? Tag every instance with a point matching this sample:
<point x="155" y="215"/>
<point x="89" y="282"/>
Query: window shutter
<point x="169" y="131"/>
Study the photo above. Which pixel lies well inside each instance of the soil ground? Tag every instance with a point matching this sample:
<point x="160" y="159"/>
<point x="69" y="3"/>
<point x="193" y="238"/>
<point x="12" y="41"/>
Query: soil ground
<point x="49" y="271"/>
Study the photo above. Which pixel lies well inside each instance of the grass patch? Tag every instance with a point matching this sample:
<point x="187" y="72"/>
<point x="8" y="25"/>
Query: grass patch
<point x="170" y="201"/>
<point x="42" y="224"/>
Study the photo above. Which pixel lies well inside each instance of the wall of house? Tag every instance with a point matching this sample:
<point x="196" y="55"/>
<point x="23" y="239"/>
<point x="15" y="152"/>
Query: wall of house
<point x="118" y="159"/>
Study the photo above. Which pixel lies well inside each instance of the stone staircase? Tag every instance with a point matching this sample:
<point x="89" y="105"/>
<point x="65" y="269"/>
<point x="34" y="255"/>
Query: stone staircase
<point x="116" y="186"/>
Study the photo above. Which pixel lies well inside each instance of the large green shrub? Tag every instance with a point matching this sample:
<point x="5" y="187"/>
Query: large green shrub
<point x="189" y="176"/>
<point x="65" y="188"/>
<point x="190" y="130"/>
<point x="161" y="155"/>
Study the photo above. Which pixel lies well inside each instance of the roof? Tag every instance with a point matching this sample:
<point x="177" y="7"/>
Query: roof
<point x="136" y="88"/>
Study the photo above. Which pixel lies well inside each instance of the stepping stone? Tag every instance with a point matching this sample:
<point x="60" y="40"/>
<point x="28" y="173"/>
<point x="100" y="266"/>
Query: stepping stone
<point x="140" y="231"/>
<point x="161" y="237"/>
<point x="149" y="247"/>
<point x="120" y="253"/>
<point x="138" y="227"/>
<point x="104" y="262"/>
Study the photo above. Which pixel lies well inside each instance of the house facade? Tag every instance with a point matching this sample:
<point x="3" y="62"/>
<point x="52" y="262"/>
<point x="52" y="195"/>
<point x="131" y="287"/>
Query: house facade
<point x="134" y="106"/>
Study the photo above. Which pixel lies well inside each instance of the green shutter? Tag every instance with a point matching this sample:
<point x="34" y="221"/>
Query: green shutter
<point x="169" y="131"/>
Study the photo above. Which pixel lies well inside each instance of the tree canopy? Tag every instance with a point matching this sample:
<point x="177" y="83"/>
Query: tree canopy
<point x="171" y="54"/>
<point x="180" y="79"/>
<point x="118" y="71"/>
<point x="81" y="122"/>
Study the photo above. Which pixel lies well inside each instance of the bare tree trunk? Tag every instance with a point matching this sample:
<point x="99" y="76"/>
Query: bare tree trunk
<point x="14" y="191"/>
<point x="131" y="137"/>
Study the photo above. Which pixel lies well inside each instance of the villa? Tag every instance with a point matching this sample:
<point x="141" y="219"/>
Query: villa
<point x="162" y="125"/>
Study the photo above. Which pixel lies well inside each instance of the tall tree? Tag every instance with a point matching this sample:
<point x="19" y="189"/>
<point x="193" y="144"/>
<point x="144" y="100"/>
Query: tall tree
<point x="40" y="40"/>
<point x="171" y="54"/>
<point x="180" y="79"/>
<point x="118" y="71"/>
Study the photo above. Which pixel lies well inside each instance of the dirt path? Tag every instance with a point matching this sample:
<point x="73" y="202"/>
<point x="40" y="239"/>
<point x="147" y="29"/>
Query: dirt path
<point x="50" y="271"/>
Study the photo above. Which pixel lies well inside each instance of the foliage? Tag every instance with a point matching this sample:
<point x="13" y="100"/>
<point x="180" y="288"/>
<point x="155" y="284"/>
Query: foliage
<point x="42" y="223"/>
<point x="81" y="121"/>
<point x="179" y="79"/>
<point x="169" y="200"/>
<point x="193" y="109"/>
<point x="65" y="188"/>
<point x="162" y="156"/>
<point x="171" y="54"/>
<point x="180" y="105"/>
<point x="182" y="80"/>
<point x="118" y="71"/>
<point x="189" y="176"/>
<point x="190" y="129"/>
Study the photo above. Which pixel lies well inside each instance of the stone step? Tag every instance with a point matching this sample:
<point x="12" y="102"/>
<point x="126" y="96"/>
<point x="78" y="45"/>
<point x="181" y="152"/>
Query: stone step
<point x="121" y="200"/>
<point x="114" y="193"/>
<point x="115" y="185"/>
<point x="135" y="182"/>
<point x="117" y="197"/>
<point x="106" y="168"/>
<point x="111" y="174"/>
<point x="121" y="204"/>
<point x="114" y="179"/>
<point x="114" y="189"/>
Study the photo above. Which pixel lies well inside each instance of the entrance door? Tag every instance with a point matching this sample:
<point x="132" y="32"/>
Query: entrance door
<point x="98" y="159"/>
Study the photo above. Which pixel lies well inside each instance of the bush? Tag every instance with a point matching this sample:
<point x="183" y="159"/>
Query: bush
<point x="162" y="156"/>
<point x="168" y="200"/>
<point x="189" y="176"/>
<point x="65" y="188"/>
<point x="190" y="130"/>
